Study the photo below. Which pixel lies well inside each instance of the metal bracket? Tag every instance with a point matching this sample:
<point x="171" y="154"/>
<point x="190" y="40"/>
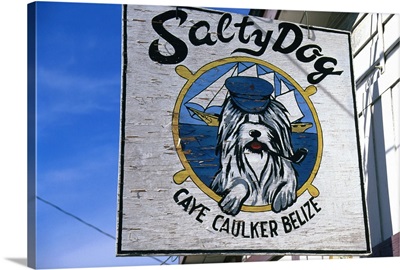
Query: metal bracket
<point x="305" y="14"/>
<point x="381" y="44"/>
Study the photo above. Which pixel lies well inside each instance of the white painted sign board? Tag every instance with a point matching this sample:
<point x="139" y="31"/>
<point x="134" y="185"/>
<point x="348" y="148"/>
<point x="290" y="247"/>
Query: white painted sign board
<point x="238" y="136"/>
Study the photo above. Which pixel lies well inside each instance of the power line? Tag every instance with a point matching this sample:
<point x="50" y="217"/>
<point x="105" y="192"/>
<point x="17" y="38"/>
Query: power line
<point x="75" y="217"/>
<point x="93" y="226"/>
<point x="170" y="257"/>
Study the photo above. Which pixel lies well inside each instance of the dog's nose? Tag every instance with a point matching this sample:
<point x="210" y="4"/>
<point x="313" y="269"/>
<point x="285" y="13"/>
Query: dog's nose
<point x="254" y="133"/>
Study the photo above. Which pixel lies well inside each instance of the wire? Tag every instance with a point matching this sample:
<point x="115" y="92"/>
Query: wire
<point x="170" y="257"/>
<point x="92" y="226"/>
<point x="75" y="217"/>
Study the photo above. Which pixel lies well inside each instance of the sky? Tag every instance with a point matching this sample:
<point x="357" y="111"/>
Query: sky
<point x="78" y="87"/>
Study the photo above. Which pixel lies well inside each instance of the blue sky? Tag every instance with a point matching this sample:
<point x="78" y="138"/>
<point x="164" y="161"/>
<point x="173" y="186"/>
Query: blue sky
<point x="78" y="110"/>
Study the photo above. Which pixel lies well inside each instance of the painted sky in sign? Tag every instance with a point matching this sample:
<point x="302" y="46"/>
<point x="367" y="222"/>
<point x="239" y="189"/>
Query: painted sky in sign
<point x="78" y="110"/>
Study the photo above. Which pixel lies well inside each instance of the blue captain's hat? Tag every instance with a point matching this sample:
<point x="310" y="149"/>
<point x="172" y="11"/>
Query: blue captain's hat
<point x="250" y="94"/>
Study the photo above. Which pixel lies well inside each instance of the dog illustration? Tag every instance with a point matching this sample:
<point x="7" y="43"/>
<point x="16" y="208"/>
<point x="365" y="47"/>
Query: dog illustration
<point x="256" y="154"/>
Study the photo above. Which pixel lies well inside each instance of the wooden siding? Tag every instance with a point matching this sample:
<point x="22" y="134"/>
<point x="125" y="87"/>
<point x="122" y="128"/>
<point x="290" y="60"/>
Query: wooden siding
<point x="378" y="103"/>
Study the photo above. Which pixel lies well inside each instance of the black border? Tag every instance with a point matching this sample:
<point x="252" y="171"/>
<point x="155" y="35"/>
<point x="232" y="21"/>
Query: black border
<point x="362" y="181"/>
<point x="241" y="252"/>
<point x="183" y="252"/>
<point x="122" y="127"/>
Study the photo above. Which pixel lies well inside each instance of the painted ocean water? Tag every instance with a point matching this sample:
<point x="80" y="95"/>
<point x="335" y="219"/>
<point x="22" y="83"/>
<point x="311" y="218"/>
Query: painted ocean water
<point x="199" y="145"/>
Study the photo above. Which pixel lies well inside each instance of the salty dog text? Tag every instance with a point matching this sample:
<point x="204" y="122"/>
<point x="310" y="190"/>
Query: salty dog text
<point x="323" y="65"/>
<point x="248" y="229"/>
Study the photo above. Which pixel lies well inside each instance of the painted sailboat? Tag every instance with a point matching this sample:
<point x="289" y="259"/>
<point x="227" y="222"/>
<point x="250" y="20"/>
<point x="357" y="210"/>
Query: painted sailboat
<point x="205" y="105"/>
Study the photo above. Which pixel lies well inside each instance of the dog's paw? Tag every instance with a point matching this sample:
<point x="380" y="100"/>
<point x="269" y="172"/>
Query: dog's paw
<point x="232" y="202"/>
<point x="284" y="198"/>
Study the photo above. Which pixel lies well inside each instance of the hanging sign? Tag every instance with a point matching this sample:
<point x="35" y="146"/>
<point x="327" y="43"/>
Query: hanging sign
<point x="238" y="136"/>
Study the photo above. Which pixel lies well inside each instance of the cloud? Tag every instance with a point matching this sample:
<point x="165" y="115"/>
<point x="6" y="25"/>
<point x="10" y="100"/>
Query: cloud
<point x="62" y="92"/>
<point x="76" y="105"/>
<point x="77" y="169"/>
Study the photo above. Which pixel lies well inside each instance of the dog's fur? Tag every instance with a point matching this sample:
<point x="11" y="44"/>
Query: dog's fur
<point x="259" y="175"/>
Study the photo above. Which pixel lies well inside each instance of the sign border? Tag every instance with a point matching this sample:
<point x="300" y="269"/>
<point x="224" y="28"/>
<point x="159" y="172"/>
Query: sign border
<point x="120" y="252"/>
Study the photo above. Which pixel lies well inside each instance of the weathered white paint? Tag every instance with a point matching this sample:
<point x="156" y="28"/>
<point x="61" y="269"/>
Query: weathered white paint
<point x="151" y="222"/>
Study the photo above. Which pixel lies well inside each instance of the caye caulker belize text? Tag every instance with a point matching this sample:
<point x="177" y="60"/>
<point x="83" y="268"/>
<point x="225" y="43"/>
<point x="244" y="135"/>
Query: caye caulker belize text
<point x="240" y="228"/>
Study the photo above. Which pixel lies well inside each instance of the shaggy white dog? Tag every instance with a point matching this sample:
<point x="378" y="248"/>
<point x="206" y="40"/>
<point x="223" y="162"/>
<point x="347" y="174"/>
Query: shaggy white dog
<point x="256" y="157"/>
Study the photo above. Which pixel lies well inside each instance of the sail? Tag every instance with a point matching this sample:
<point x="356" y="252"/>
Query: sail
<point x="285" y="94"/>
<point x="247" y="70"/>
<point x="216" y="93"/>
<point x="210" y="97"/>
<point x="269" y="77"/>
<point x="288" y="99"/>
